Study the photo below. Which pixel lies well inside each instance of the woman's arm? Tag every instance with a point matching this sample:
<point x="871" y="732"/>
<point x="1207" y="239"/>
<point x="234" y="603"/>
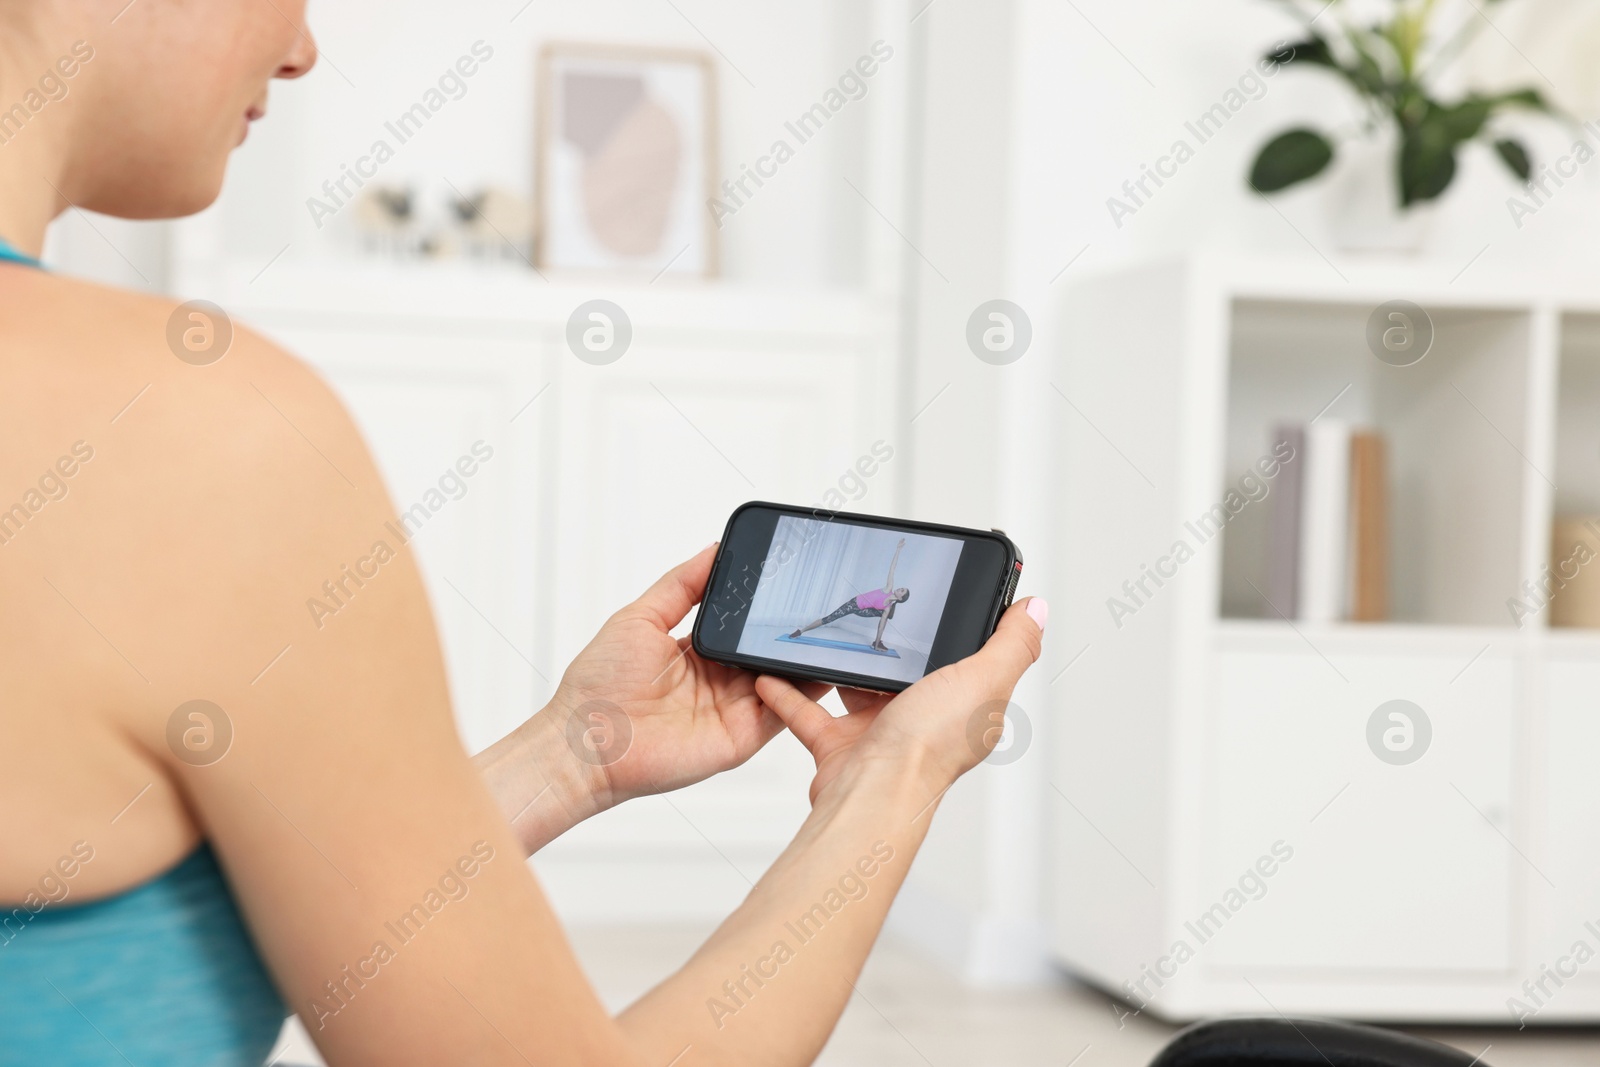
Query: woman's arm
<point x="888" y="583"/>
<point x="770" y="984"/>
<point x="536" y="784"/>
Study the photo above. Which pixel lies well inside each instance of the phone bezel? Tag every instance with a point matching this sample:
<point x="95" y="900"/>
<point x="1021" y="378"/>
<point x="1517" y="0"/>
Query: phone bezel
<point x="974" y="578"/>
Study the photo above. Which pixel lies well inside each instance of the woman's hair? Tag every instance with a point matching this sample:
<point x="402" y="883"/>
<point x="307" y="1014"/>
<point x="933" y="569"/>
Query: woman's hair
<point x="902" y="594"/>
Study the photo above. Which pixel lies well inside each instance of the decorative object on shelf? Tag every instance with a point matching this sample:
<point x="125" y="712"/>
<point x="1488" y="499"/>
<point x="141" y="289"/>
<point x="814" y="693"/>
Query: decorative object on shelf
<point x="492" y="223"/>
<point x="1573" y="580"/>
<point x="626" y="153"/>
<point x="385" y="217"/>
<point x="489" y="223"/>
<point x="1391" y="65"/>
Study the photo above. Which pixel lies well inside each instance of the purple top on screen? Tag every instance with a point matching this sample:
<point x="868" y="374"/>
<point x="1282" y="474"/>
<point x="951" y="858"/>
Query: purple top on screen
<point x="878" y="599"/>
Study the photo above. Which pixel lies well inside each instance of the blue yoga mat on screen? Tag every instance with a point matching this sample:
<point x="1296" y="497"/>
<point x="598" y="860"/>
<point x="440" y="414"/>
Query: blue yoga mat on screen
<point x="846" y="646"/>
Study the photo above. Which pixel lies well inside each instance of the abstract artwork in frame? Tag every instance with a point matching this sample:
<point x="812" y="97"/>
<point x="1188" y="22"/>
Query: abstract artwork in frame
<point x="626" y="153"/>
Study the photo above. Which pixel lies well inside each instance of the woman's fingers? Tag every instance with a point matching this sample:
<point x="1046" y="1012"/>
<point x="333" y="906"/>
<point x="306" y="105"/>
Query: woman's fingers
<point x="856" y="700"/>
<point x="814" y="690"/>
<point x="805" y="718"/>
<point x="1015" y="644"/>
<point x="667" y="601"/>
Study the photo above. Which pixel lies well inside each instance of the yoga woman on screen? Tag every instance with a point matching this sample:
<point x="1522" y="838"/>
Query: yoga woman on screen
<point x="878" y="602"/>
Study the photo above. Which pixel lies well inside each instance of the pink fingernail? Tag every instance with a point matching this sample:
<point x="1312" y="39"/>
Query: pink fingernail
<point x="1039" y="610"/>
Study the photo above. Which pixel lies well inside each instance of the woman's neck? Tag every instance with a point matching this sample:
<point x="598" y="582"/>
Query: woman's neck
<point x="34" y="186"/>
<point x="29" y="200"/>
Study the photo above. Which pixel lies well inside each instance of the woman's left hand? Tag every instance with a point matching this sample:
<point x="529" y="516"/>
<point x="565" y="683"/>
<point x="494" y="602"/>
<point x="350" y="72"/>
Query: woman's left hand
<point x="637" y="712"/>
<point x="645" y="713"/>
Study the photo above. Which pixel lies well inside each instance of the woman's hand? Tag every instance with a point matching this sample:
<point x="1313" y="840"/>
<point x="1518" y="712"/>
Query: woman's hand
<point x="943" y="725"/>
<point x="637" y="712"/>
<point x="682" y="718"/>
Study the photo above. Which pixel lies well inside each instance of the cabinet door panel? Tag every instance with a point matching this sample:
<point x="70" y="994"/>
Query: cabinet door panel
<point x="1568" y="910"/>
<point x="1395" y="867"/>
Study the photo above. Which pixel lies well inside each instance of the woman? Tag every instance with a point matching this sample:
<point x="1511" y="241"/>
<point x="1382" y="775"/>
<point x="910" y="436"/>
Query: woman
<point x="874" y="602"/>
<point x="344" y="854"/>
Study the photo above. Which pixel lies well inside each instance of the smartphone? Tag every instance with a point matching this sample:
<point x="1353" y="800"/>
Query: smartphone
<point x="851" y="600"/>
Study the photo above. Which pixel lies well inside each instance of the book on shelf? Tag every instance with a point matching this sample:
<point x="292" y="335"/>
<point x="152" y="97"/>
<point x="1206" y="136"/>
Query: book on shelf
<point x="1325" y="521"/>
<point x="1369" y="529"/>
<point x="1328" y="544"/>
<point x="1283" y="522"/>
<point x="1573" y="579"/>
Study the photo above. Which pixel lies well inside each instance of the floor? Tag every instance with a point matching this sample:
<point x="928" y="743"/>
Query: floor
<point x="909" y="1013"/>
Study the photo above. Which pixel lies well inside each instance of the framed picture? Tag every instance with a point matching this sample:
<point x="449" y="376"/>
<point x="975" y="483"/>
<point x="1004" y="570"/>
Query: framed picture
<point x="626" y="158"/>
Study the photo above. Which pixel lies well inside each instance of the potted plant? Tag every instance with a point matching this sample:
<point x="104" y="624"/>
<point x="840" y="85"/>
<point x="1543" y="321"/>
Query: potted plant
<point x="1391" y="65"/>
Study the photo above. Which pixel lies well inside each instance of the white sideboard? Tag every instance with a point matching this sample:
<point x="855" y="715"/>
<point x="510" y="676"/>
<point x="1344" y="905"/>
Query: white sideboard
<point x="1231" y="843"/>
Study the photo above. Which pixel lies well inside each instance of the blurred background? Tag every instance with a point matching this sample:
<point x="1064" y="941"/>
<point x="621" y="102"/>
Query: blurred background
<point x="665" y="256"/>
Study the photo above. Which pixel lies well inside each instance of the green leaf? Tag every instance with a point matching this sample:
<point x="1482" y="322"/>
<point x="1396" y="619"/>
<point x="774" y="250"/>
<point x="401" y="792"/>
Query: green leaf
<point x="1289" y="158"/>
<point x="1427" y="162"/>
<point x="1314" y="51"/>
<point x="1367" y="75"/>
<point x="1515" y="156"/>
<point x="1529" y="98"/>
<point x="1463" y="121"/>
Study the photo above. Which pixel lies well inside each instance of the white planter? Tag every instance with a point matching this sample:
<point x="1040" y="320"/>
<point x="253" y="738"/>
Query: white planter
<point x="1364" y="199"/>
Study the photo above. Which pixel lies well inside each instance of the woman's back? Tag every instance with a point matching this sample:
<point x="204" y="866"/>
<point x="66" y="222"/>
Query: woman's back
<point x="80" y="573"/>
<point x="123" y="509"/>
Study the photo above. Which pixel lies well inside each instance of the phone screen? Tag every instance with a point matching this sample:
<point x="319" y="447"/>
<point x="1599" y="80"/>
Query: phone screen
<point x="851" y="598"/>
<point x="833" y="596"/>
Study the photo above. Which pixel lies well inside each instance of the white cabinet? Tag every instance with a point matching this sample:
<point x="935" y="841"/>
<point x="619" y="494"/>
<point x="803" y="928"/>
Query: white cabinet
<point x="1198" y="732"/>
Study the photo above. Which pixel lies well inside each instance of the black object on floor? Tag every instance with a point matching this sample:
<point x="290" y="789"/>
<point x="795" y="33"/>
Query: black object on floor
<point x="1280" y="1042"/>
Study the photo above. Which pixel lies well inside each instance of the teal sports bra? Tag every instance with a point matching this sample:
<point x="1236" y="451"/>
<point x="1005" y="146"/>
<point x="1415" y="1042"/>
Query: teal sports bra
<point x="164" y="973"/>
<point x="11" y="255"/>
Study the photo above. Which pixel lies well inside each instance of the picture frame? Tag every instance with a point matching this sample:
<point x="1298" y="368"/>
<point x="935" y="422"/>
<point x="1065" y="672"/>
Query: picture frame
<point x="627" y="146"/>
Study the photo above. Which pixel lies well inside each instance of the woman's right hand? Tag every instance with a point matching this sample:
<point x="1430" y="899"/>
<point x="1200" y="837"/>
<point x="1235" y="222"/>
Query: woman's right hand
<point x="943" y="725"/>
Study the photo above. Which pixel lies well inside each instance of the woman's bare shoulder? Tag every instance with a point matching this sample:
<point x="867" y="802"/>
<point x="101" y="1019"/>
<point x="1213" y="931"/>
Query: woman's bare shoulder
<point x="165" y="513"/>
<point x="63" y="333"/>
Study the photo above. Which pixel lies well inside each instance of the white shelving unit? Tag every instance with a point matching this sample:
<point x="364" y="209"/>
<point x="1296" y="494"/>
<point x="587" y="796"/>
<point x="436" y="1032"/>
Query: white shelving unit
<point x="1203" y="731"/>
